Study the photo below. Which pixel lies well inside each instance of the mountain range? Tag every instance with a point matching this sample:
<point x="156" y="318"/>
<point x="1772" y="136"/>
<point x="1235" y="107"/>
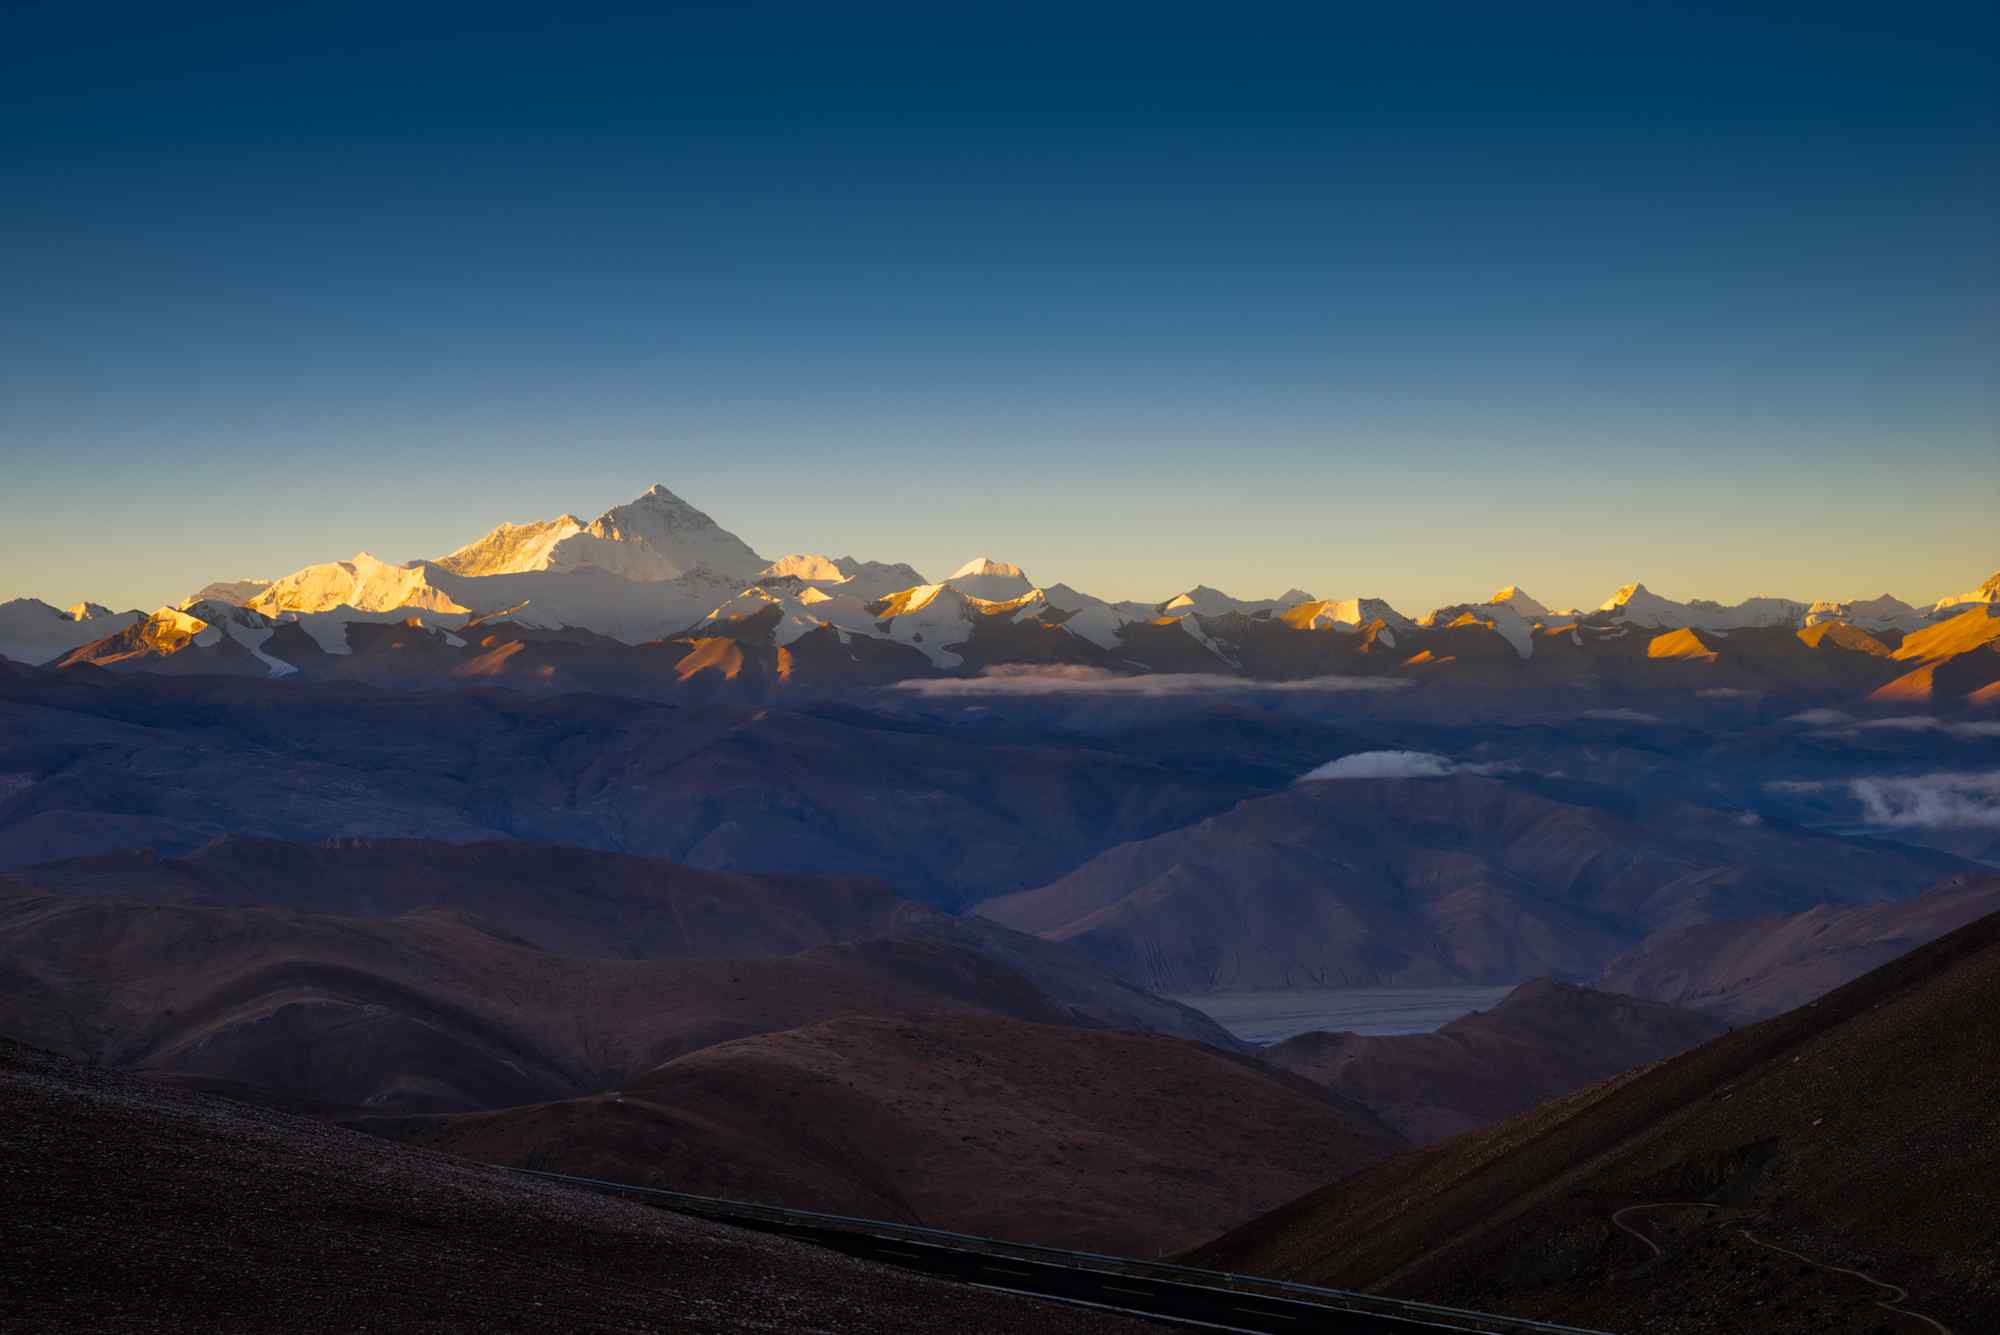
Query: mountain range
<point x="655" y="595"/>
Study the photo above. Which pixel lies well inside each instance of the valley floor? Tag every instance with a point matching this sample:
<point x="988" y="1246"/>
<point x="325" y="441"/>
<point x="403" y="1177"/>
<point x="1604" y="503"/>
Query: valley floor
<point x="1276" y="1014"/>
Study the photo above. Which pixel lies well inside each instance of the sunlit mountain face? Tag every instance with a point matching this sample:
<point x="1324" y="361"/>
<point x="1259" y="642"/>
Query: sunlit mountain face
<point x="654" y="595"/>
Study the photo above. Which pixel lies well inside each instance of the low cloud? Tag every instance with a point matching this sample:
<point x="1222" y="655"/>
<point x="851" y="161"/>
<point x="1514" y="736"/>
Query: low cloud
<point x="1396" y="765"/>
<point x="1932" y="801"/>
<point x="1059" y="679"/>
<point x="1833" y="723"/>
<point x="1728" y="693"/>
<point x="1620" y="715"/>
<point x="1963" y="801"/>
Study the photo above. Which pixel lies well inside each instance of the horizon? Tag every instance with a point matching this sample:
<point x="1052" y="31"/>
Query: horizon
<point x="940" y="573"/>
<point x="1410" y="305"/>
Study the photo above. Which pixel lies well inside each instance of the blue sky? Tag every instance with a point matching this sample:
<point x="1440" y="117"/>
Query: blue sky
<point x="1407" y="300"/>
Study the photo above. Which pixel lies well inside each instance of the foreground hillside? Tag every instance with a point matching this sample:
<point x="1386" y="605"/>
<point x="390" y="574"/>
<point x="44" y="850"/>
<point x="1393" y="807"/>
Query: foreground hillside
<point x="136" y="1208"/>
<point x="1856" y="1132"/>
<point x="436" y="1010"/>
<point x="1126" y="1143"/>
<point x="1544" y="1039"/>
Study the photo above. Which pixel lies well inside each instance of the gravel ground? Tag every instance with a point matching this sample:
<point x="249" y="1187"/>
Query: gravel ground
<point x="135" y="1207"/>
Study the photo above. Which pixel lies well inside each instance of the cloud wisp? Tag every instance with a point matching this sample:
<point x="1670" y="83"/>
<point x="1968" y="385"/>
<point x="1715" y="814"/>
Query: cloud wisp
<point x="1833" y="723"/>
<point x="1620" y="716"/>
<point x="1056" y="679"/>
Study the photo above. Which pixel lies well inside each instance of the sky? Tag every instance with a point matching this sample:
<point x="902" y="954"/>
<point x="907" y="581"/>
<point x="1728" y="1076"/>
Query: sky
<point x="1408" y="301"/>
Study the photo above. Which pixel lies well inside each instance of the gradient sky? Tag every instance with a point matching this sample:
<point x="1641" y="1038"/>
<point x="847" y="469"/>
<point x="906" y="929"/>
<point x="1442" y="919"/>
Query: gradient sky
<point x="1408" y="300"/>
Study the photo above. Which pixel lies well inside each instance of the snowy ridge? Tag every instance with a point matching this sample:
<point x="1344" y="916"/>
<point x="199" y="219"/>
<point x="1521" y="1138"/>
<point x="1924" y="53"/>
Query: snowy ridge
<point x="512" y="549"/>
<point x="1640" y="606"/>
<point x="1204" y="601"/>
<point x="32" y="631"/>
<point x="1989" y="592"/>
<point x="1346" y="614"/>
<point x="365" y="583"/>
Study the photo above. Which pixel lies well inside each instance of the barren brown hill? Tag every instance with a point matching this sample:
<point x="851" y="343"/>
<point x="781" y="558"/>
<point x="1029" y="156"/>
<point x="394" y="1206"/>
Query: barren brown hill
<point x="1743" y="971"/>
<point x="1126" y="1143"/>
<point x="1366" y="882"/>
<point x="436" y="1011"/>
<point x="571" y="901"/>
<point x="132" y="1207"/>
<point x="1544" y="1038"/>
<point x="1854" y="1132"/>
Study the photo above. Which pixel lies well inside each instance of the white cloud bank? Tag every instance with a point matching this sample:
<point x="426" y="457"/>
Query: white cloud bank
<point x="1967" y="801"/>
<point x="1396" y="765"/>
<point x="1057" y="679"/>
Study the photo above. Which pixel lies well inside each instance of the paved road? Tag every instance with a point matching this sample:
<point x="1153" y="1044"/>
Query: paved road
<point x="1173" y="1294"/>
<point x="1181" y="1302"/>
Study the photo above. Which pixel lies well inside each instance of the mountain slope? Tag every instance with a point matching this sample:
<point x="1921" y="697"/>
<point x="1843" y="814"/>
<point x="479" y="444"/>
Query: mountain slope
<point x="439" y="1009"/>
<point x="1424" y="881"/>
<point x="1103" y="1141"/>
<point x="172" y="764"/>
<point x="511" y="549"/>
<point x="571" y="901"/>
<point x="32" y="632"/>
<point x="1857" y="1131"/>
<point x="133" y="1207"/>
<point x="1743" y="971"/>
<point x="1544" y="1039"/>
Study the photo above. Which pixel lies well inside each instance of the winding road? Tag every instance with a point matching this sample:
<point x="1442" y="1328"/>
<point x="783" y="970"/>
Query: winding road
<point x="1897" y="1294"/>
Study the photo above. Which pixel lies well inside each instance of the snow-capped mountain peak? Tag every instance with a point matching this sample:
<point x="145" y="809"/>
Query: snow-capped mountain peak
<point x="995" y="581"/>
<point x="808" y="566"/>
<point x="1517" y="598"/>
<point x="1989" y="592"/>
<point x="984" y="565"/>
<point x="657" y="536"/>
